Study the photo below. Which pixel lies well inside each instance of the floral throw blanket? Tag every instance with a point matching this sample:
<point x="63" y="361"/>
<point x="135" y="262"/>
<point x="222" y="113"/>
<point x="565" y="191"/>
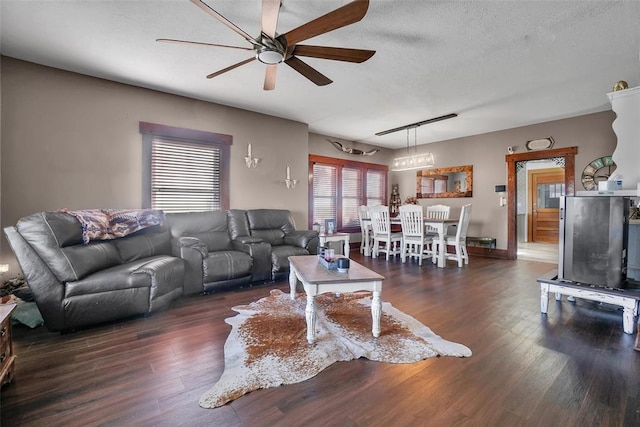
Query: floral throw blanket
<point x="104" y="224"/>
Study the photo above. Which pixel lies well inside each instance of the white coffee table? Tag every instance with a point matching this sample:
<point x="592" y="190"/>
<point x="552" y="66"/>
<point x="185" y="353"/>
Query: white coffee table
<point x="317" y="279"/>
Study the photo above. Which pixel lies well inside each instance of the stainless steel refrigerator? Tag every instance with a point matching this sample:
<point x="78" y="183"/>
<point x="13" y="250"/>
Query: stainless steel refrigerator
<point x="593" y="240"/>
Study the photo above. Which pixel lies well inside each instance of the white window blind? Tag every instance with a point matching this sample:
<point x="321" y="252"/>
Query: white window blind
<point x="325" y="184"/>
<point x="185" y="177"/>
<point x="376" y="187"/>
<point x="351" y="196"/>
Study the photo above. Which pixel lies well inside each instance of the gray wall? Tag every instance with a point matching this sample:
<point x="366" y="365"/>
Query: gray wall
<point x="72" y="141"/>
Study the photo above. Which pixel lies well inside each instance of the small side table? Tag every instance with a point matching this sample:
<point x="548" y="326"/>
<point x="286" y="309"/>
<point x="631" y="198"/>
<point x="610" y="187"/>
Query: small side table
<point x="7" y="357"/>
<point x="335" y="237"/>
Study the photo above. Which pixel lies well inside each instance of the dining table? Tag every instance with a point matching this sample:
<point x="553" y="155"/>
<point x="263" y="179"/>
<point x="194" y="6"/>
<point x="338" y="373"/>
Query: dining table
<point x="440" y="225"/>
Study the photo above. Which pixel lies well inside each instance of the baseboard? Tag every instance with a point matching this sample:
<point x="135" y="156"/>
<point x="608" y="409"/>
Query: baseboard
<point x="487" y="252"/>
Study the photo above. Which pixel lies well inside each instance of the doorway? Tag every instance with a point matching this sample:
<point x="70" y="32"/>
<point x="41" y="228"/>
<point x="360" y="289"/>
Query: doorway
<point x="568" y="158"/>
<point x="543" y="204"/>
<point x="540" y="183"/>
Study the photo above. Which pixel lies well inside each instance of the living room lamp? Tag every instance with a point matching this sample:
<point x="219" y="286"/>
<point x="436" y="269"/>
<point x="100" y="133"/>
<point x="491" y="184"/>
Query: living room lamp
<point x="414" y="160"/>
<point x="290" y="183"/>
<point x="250" y="161"/>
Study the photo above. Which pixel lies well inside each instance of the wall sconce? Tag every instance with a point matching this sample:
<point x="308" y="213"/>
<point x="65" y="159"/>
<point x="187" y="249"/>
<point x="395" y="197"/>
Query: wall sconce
<point x="291" y="183"/>
<point x="250" y="161"/>
<point x="501" y="189"/>
<point x="4" y="268"/>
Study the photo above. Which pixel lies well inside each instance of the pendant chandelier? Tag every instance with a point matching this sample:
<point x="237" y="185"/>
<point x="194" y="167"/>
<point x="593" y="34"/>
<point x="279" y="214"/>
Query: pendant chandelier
<point x="413" y="160"/>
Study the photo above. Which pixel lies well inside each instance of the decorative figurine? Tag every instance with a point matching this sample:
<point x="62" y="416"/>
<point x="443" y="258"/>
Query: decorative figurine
<point x="620" y="85"/>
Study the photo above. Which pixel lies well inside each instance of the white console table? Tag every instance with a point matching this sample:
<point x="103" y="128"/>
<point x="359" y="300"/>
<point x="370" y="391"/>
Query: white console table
<point x="335" y="237"/>
<point x="626" y="299"/>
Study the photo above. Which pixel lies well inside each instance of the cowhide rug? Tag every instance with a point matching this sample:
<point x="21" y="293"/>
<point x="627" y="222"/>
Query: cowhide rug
<point x="267" y="346"/>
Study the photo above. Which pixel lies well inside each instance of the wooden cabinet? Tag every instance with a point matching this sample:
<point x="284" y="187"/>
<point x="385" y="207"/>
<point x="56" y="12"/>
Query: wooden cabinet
<point x="7" y="357"/>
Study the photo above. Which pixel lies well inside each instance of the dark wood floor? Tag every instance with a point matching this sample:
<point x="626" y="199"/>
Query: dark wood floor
<point x="574" y="367"/>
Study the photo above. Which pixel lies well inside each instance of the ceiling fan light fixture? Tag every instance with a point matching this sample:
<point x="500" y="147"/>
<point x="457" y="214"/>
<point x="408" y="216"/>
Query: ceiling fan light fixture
<point x="270" y="51"/>
<point x="272" y="48"/>
<point x="269" y="56"/>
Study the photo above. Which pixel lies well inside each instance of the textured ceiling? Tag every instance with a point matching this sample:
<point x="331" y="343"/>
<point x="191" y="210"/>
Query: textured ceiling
<point x="498" y="64"/>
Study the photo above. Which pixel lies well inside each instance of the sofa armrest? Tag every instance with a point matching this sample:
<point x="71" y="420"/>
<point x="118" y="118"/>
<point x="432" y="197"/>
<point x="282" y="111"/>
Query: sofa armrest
<point x="246" y="240"/>
<point x="48" y="292"/>
<point x="190" y="242"/>
<point x="193" y="251"/>
<point x="261" y="254"/>
<point x="307" y="239"/>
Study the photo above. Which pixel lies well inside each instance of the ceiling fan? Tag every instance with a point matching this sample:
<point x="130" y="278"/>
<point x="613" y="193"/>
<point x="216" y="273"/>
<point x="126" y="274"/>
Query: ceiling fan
<point x="271" y="48"/>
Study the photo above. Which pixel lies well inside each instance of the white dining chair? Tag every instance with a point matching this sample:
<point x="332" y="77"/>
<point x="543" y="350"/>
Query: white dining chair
<point x="364" y="217"/>
<point x="415" y="242"/>
<point x="459" y="241"/>
<point x="437" y="212"/>
<point x="384" y="240"/>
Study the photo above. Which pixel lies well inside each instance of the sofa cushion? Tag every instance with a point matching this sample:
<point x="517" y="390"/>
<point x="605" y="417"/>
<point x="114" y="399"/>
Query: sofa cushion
<point x="57" y="238"/>
<point x="65" y="228"/>
<point x="238" y="223"/>
<point x="166" y="274"/>
<point x="225" y="265"/>
<point x="274" y="236"/>
<point x="145" y="243"/>
<point x="270" y="219"/>
<point x="271" y="225"/>
<point x="280" y="256"/>
<point x="110" y="279"/>
<point x="210" y="227"/>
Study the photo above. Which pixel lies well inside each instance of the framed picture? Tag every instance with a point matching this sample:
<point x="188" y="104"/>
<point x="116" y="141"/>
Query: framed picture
<point x="330" y="226"/>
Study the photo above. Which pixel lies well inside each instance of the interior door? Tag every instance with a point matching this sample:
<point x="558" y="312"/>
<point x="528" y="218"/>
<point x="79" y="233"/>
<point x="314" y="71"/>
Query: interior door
<point x="545" y="188"/>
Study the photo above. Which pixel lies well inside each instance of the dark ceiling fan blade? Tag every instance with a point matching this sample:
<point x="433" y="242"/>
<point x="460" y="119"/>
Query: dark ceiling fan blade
<point x="225" y="21"/>
<point x="270" y="77"/>
<point x="270" y="10"/>
<point x="309" y="72"/>
<point x="345" y="15"/>
<point x="333" y="53"/>
<point x="231" y="67"/>
<point x="202" y="44"/>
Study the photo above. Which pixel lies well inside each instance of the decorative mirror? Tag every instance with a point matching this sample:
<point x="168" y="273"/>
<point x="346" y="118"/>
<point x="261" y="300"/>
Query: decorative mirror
<point x="445" y="182"/>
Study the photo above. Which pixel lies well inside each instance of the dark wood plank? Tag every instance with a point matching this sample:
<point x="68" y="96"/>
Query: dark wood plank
<point x="573" y="366"/>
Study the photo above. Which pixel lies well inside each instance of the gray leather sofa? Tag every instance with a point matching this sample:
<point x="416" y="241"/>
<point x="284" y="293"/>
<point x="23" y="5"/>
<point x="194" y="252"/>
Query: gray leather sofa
<point x="77" y="285"/>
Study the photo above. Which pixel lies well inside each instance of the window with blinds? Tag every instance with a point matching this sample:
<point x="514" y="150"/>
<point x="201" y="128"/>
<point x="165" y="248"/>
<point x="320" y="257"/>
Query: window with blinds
<point x="325" y="191"/>
<point x="341" y="186"/>
<point x="184" y="170"/>
<point x="185" y="177"/>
